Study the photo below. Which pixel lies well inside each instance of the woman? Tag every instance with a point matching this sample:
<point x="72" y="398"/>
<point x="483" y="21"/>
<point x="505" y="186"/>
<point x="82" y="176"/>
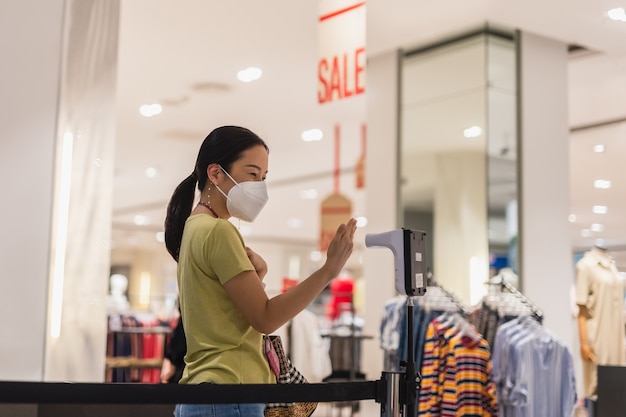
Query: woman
<point x="224" y="307"/>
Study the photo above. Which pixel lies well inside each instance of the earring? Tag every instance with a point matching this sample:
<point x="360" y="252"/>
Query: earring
<point x="208" y="203"/>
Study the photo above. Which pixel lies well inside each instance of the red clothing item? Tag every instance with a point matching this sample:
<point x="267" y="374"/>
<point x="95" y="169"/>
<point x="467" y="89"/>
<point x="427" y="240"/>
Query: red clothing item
<point x="341" y="290"/>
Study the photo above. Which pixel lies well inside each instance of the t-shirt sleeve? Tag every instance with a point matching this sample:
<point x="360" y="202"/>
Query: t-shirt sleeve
<point x="583" y="284"/>
<point x="227" y="252"/>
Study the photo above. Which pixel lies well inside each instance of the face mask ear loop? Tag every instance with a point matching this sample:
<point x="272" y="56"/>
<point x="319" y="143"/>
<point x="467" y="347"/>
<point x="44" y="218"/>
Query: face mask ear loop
<point x="228" y="175"/>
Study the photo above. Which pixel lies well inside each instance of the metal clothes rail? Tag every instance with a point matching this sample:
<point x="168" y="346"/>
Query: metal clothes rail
<point x="506" y="286"/>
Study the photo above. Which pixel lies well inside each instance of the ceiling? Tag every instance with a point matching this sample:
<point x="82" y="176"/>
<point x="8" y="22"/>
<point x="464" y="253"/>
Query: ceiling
<point x="185" y="54"/>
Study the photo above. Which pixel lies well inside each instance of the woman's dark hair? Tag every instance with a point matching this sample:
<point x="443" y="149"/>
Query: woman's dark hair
<point x="223" y="146"/>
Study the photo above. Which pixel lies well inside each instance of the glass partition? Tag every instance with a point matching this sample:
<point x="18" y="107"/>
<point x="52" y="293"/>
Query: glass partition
<point x="458" y="151"/>
<point x="502" y="156"/>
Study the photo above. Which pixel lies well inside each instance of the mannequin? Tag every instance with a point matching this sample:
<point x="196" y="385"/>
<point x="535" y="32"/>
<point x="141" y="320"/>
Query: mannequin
<point x="599" y="296"/>
<point x="117" y="302"/>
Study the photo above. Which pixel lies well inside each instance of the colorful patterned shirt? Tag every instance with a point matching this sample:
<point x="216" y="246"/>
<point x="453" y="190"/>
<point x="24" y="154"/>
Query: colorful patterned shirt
<point x="456" y="373"/>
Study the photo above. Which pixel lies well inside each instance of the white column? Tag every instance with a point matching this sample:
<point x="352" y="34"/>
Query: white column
<point x="381" y="198"/>
<point x="58" y="84"/>
<point x="546" y="266"/>
<point x="28" y="112"/>
<point x="461" y="254"/>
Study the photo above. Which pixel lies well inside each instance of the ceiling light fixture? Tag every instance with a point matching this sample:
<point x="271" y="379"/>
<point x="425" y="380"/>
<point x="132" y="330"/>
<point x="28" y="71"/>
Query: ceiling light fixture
<point x="618" y="14"/>
<point x="151" y="172"/>
<point x="149" y="110"/>
<point x="312" y="135"/>
<point x="598" y="148"/>
<point x="571" y="218"/>
<point x="249" y="74"/>
<point x="602" y="184"/>
<point x="597" y="227"/>
<point x="315" y="255"/>
<point x="140" y="220"/>
<point x="294" y="223"/>
<point x="600" y="209"/>
<point x="361" y="221"/>
<point x="585" y="233"/>
<point x="308" y="194"/>
<point x="472" y="132"/>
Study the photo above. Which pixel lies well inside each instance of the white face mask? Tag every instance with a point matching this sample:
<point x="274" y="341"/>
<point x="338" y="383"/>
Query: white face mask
<point x="246" y="199"/>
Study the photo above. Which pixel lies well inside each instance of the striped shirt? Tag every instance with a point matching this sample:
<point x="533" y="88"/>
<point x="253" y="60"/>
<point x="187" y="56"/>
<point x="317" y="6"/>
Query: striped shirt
<point x="435" y="349"/>
<point x="468" y="387"/>
<point x="456" y="375"/>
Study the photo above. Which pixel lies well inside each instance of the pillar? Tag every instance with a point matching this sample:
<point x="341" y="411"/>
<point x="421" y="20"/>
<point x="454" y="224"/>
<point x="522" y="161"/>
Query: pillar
<point x="546" y="260"/>
<point x="381" y="199"/>
<point x="57" y="106"/>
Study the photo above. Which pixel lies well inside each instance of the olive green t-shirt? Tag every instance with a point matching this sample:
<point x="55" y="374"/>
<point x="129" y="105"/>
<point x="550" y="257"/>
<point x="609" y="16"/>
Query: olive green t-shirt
<point x="221" y="346"/>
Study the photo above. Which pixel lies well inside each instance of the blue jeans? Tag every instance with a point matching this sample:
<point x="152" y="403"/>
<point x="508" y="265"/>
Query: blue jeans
<point x="219" y="410"/>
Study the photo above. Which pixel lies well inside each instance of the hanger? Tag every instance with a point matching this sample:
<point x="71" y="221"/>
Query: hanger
<point x="506" y="287"/>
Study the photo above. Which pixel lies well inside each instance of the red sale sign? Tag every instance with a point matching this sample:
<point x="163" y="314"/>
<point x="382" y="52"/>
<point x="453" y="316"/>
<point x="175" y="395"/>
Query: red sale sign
<point x="341" y="39"/>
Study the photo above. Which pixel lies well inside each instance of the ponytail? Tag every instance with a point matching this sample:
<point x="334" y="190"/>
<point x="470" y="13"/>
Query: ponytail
<point x="178" y="209"/>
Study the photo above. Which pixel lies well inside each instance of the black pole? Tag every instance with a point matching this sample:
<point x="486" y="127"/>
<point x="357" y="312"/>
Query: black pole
<point x="412" y="377"/>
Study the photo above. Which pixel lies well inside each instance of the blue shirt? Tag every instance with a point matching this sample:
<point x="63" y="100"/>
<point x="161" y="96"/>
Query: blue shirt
<point x="533" y="370"/>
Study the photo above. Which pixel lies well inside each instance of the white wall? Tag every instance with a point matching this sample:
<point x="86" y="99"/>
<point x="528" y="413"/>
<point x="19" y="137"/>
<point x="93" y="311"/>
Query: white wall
<point x="28" y="113"/>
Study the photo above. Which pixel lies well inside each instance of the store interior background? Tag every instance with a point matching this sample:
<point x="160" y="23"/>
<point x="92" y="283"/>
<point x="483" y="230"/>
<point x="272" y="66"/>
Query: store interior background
<point x="188" y="64"/>
<point x="185" y="56"/>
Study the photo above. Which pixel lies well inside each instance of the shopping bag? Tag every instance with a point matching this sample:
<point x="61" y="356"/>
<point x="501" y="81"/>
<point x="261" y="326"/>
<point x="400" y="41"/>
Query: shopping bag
<point x="287" y="374"/>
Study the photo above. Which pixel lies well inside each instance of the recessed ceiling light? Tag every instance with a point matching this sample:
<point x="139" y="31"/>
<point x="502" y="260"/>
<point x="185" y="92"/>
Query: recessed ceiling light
<point x="249" y="74"/>
<point x="308" y="194"/>
<point x="294" y="223"/>
<point x="600" y="242"/>
<point x="571" y="218"/>
<point x="315" y="255"/>
<point x="598" y="148"/>
<point x="151" y="172"/>
<point x="472" y="132"/>
<point x="618" y="14"/>
<point x="160" y="237"/>
<point x="140" y="220"/>
<point x="361" y="221"/>
<point x="585" y="233"/>
<point x="603" y="184"/>
<point x="312" y="135"/>
<point x="149" y="110"/>
<point x="600" y="209"/>
<point x="597" y="227"/>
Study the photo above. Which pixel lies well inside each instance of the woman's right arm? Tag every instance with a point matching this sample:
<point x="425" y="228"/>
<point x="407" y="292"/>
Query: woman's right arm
<point x="265" y="314"/>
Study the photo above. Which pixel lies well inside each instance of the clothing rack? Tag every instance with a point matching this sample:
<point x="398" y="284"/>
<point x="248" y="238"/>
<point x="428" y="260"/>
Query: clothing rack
<point x="448" y="296"/>
<point x="506" y="286"/>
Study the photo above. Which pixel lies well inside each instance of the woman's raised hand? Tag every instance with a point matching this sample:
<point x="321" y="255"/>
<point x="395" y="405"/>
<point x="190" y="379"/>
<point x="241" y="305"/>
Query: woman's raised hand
<point x="340" y="247"/>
